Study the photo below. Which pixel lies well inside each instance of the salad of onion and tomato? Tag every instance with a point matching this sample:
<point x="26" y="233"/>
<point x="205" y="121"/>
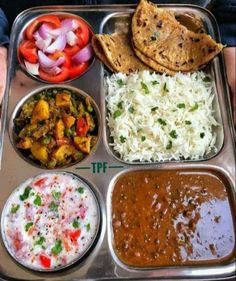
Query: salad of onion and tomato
<point x="56" y="48"/>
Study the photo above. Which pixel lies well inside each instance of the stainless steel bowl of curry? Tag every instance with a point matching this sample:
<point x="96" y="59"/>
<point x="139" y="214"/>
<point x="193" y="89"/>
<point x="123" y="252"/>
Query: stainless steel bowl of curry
<point x="170" y="218"/>
<point x="55" y="127"/>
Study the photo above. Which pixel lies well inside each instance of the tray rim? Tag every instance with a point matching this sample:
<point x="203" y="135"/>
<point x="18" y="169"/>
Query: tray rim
<point x="114" y="8"/>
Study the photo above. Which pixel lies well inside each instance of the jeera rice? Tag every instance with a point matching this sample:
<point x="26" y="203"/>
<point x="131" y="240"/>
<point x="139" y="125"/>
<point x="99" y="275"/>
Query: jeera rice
<point x="153" y="117"/>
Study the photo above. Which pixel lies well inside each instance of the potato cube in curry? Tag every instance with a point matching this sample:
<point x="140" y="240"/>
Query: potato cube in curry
<point x="69" y="121"/>
<point x="39" y="152"/>
<point x="40" y="111"/>
<point x="25" y="143"/>
<point x="59" y="129"/>
<point x="83" y="143"/>
<point x="62" y="152"/>
<point x="63" y="100"/>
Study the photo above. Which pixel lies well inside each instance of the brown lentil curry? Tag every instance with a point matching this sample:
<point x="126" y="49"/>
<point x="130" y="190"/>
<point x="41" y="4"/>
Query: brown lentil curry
<point x="171" y="217"/>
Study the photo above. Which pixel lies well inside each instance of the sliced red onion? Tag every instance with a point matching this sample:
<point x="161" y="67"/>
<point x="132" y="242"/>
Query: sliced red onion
<point x="71" y="38"/>
<point x="37" y="37"/>
<point x="58" y="45"/>
<point x="45" y="31"/>
<point x="69" y="24"/>
<point x="53" y="70"/>
<point x="83" y="55"/>
<point x="33" y="68"/>
<point x="43" y="44"/>
<point x="54" y="33"/>
<point x="46" y="62"/>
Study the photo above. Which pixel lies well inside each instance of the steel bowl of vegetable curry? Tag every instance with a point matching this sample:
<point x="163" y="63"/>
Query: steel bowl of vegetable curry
<point x="55" y="127"/>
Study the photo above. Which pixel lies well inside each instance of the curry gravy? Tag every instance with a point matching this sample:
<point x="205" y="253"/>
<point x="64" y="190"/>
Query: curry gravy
<point x="162" y="218"/>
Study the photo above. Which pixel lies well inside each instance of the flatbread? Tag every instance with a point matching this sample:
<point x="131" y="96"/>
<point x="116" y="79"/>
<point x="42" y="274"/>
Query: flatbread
<point x="153" y="64"/>
<point x="100" y="53"/>
<point x="159" y="36"/>
<point x="117" y="53"/>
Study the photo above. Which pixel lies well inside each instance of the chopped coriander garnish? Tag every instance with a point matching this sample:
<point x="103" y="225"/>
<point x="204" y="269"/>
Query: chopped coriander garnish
<point x="122" y="139"/>
<point x="181" y="105"/>
<point x="161" y="121"/>
<point x="143" y="138"/>
<point x="155" y="82"/>
<point x="53" y="206"/>
<point x="37" y="200"/>
<point x="144" y="87"/>
<point x="75" y="223"/>
<point x="202" y="135"/>
<point x="15" y="208"/>
<point x="57" y="248"/>
<point x="187" y="122"/>
<point x="56" y="194"/>
<point x="26" y="193"/>
<point x="120" y="82"/>
<point x="165" y="87"/>
<point x="28" y="226"/>
<point x="80" y="190"/>
<point x="116" y="114"/>
<point x="154" y="108"/>
<point x="87" y="226"/>
<point x="40" y="241"/>
<point x="173" y="134"/>
<point x="169" y="145"/>
<point x="131" y="109"/>
<point x="193" y="108"/>
<point x="206" y="79"/>
<point x="120" y="105"/>
<point x="46" y="140"/>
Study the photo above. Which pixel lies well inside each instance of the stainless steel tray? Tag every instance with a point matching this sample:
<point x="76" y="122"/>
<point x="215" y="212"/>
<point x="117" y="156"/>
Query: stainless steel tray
<point x="102" y="168"/>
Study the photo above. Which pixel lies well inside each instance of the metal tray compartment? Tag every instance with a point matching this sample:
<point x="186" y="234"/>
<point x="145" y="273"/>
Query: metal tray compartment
<point x="193" y="170"/>
<point x="118" y="22"/>
<point x="102" y="167"/>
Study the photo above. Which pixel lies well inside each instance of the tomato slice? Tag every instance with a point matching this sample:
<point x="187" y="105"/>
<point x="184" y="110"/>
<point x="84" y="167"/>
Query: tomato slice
<point x="66" y="245"/>
<point x="83" y="33"/>
<point x="59" y="54"/>
<point x="70" y="51"/>
<point x="62" y="76"/>
<point x="45" y="261"/>
<point x="17" y="242"/>
<point x="28" y="50"/>
<point x="52" y="19"/>
<point x="40" y="183"/>
<point x="76" y="71"/>
<point x="82" y="127"/>
<point x="74" y="235"/>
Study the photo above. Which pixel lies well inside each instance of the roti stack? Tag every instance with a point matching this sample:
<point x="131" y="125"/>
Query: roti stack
<point x="158" y="42"/>
<point x="159" y="36"/>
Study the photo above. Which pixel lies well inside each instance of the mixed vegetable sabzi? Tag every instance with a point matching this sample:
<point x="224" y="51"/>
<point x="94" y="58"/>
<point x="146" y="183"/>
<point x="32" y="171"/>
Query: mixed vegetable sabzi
<point x="56" y="127"/>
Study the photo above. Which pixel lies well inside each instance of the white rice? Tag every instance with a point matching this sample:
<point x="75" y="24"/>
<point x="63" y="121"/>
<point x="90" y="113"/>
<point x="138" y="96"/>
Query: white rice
<point x="171" y="118"/>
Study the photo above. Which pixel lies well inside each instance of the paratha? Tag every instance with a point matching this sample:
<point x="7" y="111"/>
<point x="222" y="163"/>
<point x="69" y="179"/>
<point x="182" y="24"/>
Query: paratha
<point x="159" y="36"/>
<point x="100" y="53"/>
<point x="116" y="53"/>
<point x="153" y="64"/>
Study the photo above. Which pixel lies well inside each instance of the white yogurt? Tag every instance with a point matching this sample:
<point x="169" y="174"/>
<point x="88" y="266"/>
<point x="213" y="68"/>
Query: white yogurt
<point x="50" y="221"/>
